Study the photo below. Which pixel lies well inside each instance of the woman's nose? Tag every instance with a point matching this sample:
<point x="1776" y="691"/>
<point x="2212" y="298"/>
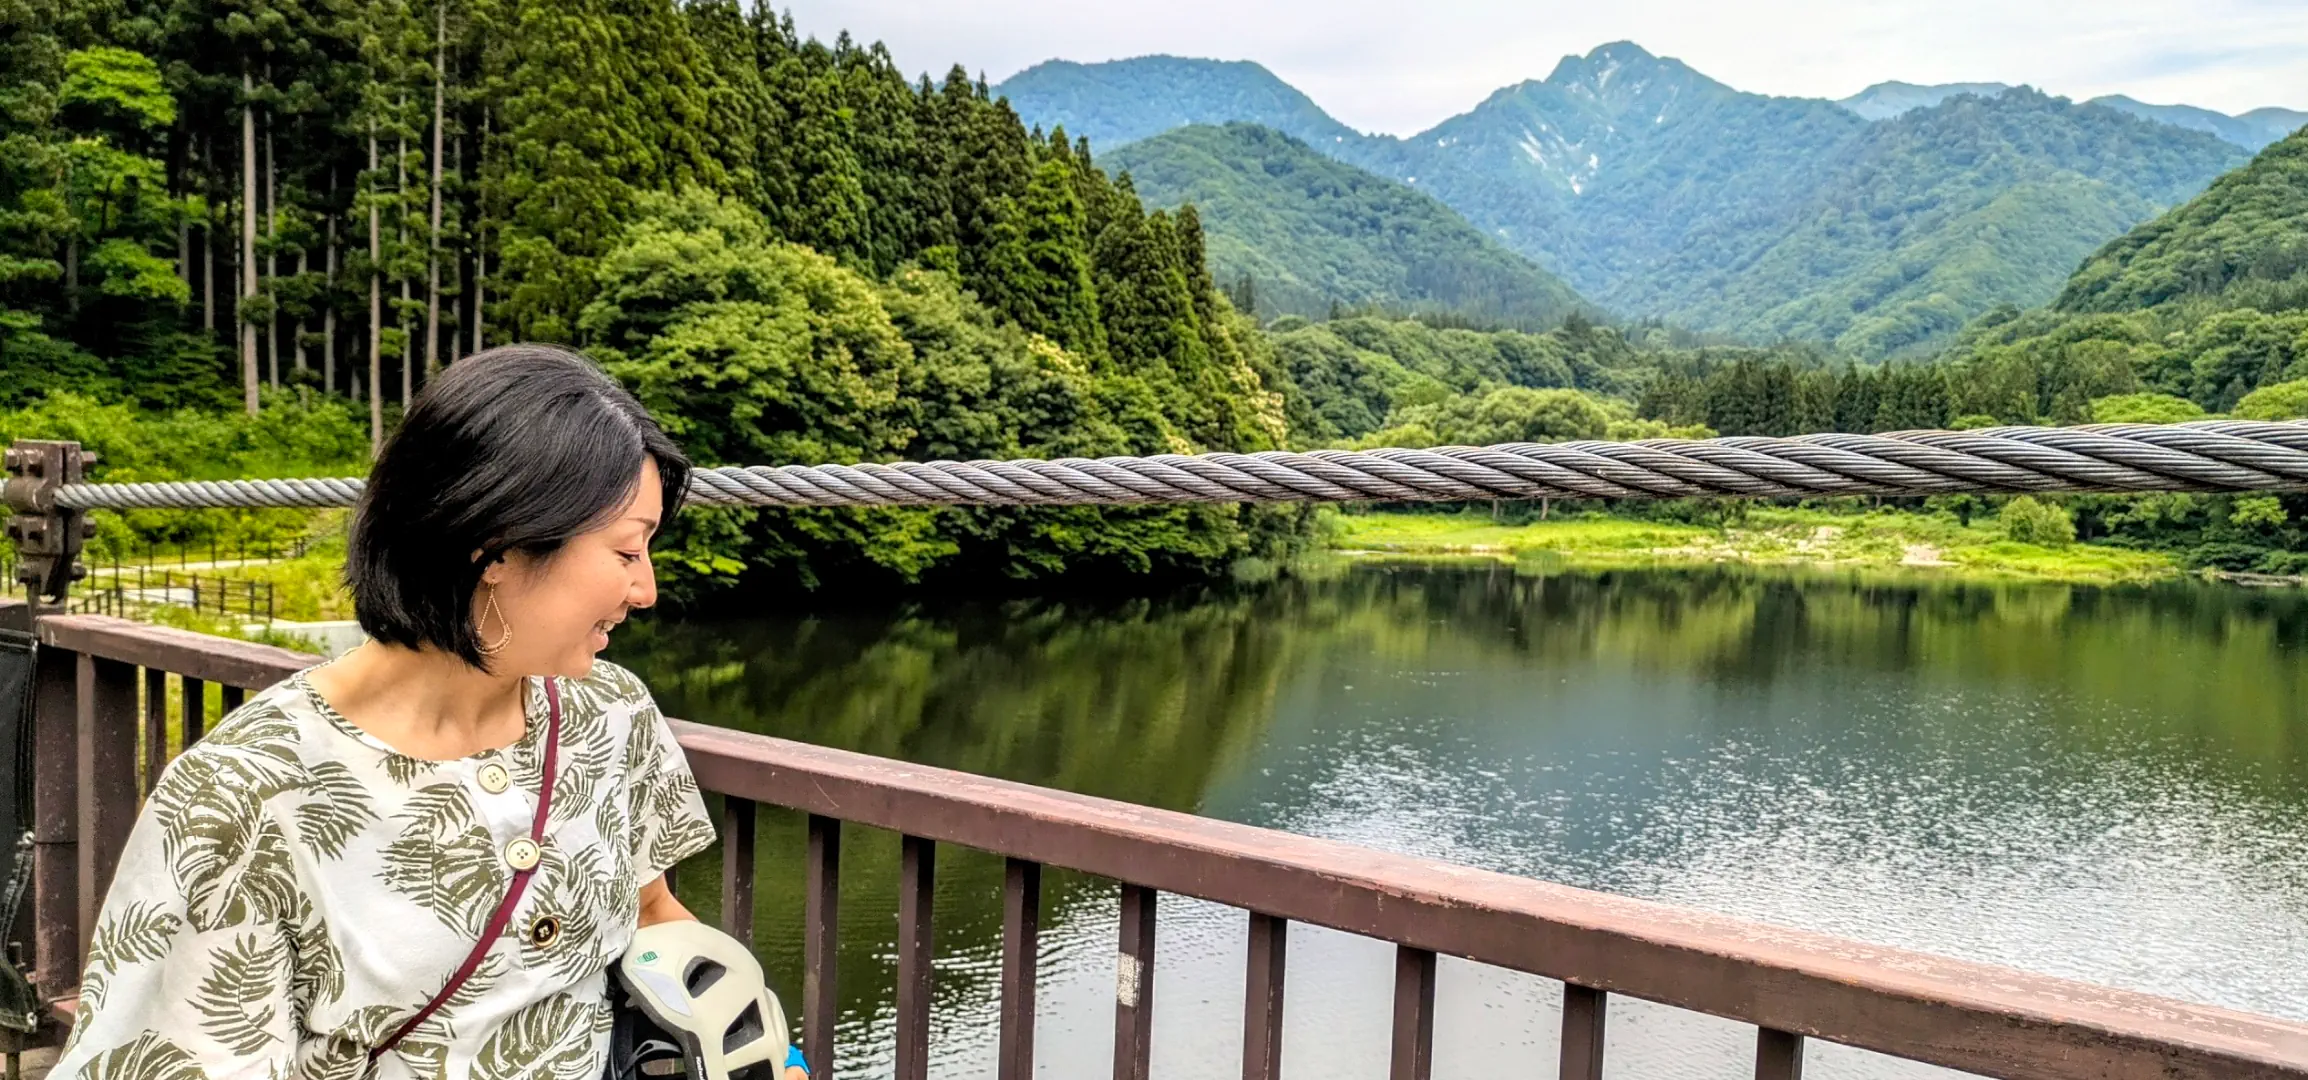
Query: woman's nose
<point x="644" y="591"/>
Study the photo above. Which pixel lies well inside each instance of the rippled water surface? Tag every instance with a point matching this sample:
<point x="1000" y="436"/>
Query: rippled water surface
<point x="2102" y="784"/>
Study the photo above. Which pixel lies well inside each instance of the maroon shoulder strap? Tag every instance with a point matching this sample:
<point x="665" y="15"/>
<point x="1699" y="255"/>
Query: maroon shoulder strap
<point x="504" y="913"/>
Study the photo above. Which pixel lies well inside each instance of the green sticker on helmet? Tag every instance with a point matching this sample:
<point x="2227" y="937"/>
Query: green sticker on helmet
<point x="649" y="958"/>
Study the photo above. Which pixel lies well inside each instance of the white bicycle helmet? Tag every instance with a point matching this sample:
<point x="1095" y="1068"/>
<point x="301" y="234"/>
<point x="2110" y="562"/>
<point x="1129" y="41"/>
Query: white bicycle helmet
<point x="705" y="990"/>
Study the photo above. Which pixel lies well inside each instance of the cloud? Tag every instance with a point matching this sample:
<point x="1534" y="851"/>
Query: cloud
<point x="1399" y="67"/>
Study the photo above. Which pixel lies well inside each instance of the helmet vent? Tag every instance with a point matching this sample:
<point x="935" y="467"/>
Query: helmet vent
<point x="745" y="1030"/>
<point x="701" y="976"/>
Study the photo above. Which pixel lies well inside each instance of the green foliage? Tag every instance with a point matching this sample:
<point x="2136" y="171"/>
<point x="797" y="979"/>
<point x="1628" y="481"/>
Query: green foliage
<point x="2242" y="243"/>
<point x="1039" y="271"/>
<point x="2144" y="409"/>
<point x="753" y="350"/>
<point x="790" y="249"/>
<point x="2028" y="521"/>
<point x="116" y="88"/>
<point x="1308" y="234"/>
<point x="2279" y="401"/>
<point x="1510" y="414"/>
<point x="297" y="434"/>
<point x="86" y="300"/>
<point x="2257" y="512"/>
<point x="1356" y="373"/>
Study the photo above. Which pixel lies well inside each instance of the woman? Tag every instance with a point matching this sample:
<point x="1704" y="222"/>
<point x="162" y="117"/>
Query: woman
<point x="304" y="882"/>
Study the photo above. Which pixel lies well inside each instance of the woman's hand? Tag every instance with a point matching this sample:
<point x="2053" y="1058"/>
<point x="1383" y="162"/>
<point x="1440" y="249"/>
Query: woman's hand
<point x="659" y="905"/>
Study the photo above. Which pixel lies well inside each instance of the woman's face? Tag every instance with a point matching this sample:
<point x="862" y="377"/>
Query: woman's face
<point x="562" y="609"/>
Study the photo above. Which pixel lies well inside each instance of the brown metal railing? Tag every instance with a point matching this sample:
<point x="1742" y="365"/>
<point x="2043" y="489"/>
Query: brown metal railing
<point x="102" y="696"/>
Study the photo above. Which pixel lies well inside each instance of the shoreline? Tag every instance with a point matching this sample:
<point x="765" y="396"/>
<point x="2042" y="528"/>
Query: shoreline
<point x="1893" y="543"/>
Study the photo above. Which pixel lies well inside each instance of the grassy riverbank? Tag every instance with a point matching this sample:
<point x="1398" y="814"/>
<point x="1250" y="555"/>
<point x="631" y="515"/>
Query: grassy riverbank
<point x="1768" y="536"/>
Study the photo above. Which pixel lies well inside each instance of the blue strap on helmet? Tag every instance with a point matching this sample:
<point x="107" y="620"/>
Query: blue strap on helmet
<point x="794" y="1060"/>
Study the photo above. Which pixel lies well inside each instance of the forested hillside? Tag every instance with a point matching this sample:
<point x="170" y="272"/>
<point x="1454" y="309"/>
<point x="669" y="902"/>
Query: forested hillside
<point x="789" y="249"/>
<point x="1932" y="218"/>
<point x="2242" y="243"/>
<point x="1294" y="232"/>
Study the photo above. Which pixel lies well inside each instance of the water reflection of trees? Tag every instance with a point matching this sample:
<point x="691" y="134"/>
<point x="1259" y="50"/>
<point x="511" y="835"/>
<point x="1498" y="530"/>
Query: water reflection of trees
<point x="2188" y="659"/>
<point x="1142" y="701"/>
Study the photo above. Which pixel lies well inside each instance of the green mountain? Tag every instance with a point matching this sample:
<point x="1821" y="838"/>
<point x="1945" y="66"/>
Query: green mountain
<point x="1885" y="100"/>
<point x="1310" y="232"/>
<point x="1122" y="101"/>
<point x="2207" y="302"/>
<point x="1620" y="163"/>
<point x="1933" y="217"/>
<point x="1659" y="192"/>
<point x="2242" y="243"/>
<point x="2251" y="130"/>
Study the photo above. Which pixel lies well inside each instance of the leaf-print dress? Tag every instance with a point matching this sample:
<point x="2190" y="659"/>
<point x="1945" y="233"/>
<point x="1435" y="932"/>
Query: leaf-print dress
<point x="294" y="891"/>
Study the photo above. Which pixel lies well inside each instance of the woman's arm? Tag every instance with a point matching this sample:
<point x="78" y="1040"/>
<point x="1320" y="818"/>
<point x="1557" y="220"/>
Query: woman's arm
<point x="658" y="904"/>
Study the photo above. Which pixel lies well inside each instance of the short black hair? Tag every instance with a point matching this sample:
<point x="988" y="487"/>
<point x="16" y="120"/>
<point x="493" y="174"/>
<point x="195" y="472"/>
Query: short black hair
<point x="518" y="448"/>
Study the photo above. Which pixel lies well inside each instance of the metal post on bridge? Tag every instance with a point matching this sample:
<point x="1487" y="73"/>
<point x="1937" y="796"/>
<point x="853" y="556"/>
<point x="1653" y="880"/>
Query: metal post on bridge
<point x="48" y="536"/>
<point x="44" y="870"/>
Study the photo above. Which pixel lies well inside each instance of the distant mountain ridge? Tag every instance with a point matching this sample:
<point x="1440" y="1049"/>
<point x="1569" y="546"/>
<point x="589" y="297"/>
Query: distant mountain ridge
<point x="2250" y="130"/>
<point x="1657" y="191"/>
<point x="1312" y="232"/>
<point x="1122" y="101"/>
<point x="1885" y="100"/>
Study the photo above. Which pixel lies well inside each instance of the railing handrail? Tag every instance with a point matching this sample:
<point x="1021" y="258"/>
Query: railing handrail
<point x="1975" y="1017"/>
<point x="184" y="652"/>
<point x="1909" y="1004"/>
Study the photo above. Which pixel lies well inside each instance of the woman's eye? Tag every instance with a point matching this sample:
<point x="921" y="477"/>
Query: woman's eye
<point x="630" y="556"/>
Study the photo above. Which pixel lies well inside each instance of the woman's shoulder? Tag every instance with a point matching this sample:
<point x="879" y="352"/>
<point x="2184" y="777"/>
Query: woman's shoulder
<point x="269" y="724"/>
<point x="253" y="752"/>
<point x="611" y="685"/>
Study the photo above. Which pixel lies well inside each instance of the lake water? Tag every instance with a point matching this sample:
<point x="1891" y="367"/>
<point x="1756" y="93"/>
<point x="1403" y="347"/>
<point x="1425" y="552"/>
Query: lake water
<point x="2104" y="784"/>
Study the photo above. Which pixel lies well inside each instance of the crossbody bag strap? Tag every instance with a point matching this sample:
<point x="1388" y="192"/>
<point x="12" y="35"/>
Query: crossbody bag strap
<point x="504" y="912"/>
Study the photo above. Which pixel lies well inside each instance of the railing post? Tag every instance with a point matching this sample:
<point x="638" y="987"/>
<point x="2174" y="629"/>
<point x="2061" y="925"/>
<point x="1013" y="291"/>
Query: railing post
<point x="737" y="821"/>
<point x="1413" y="1053"/>
<point x="55" y="822"/>
<point x="1021" y="940"/>
<point x="155" y="726"/>
<point x="917" y="889"/>
<point x="1134" y="986"/>
<point x="1262" y="998"/>
<point x="1584" y="1011"/>
<point x="1778" y="1055"/>
<point x="821" y="919"/>
<point x="195" y="710"/>
<point x="107" y="766"/>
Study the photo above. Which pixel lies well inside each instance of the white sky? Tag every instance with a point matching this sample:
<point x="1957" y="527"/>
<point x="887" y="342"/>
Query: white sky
<point x="1400" y="66"/>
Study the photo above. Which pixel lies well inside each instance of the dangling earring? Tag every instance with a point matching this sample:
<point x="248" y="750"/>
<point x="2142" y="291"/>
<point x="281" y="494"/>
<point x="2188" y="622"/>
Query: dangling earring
<point x="503" y="640"/>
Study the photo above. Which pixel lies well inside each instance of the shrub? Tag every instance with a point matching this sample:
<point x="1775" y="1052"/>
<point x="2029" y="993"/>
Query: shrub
<point x="2281" y="401"/>
<point x="2144" y="409"/>
<point x="2031" y="522"/>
